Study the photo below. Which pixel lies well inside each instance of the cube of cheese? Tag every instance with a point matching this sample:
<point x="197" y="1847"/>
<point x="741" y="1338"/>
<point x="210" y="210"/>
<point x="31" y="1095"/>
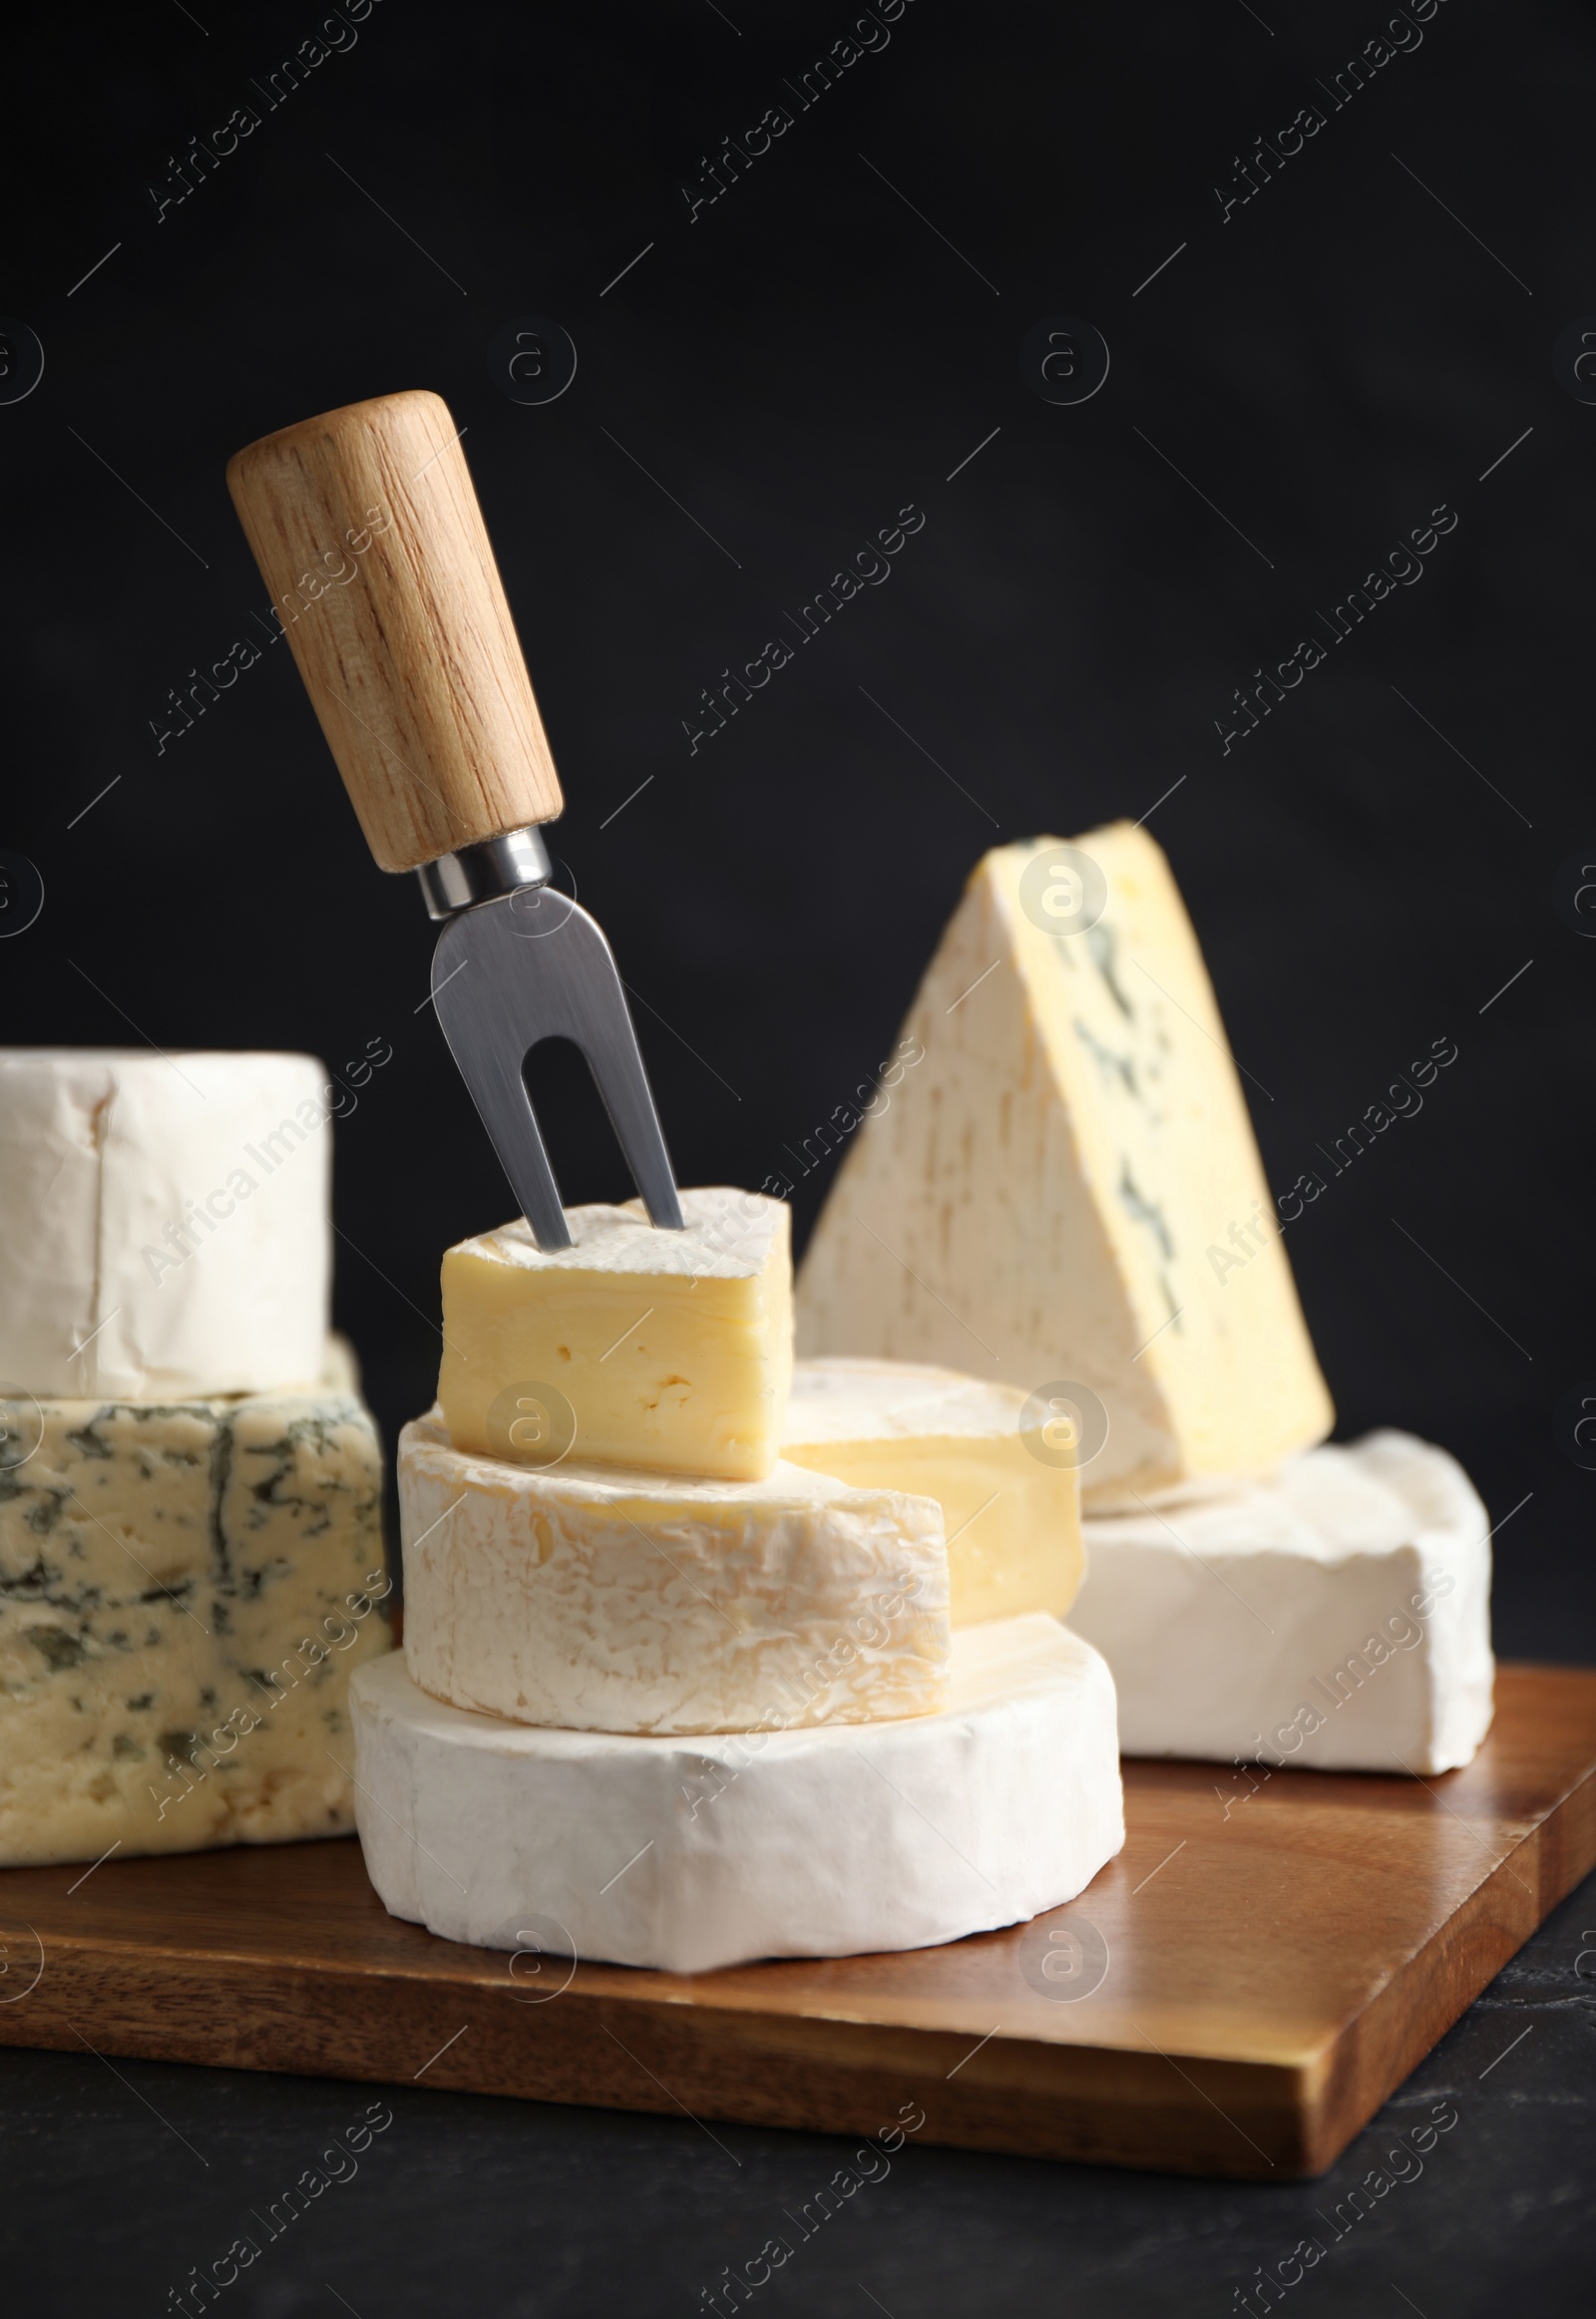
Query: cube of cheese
<point x="597" y="1601"/>
<point x="1336" y="1617"/>
<point x="633" y="1347"/>
<point x="1012" y="1515"/>
<point x="1063" y="1189"/>
<point x="184" y="1588"/>
<point x="761" y="1843"/>
<point x="167" y="1228"/>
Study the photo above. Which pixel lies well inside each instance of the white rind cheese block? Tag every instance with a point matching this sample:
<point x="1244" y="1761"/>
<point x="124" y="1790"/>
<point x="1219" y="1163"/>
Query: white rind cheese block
<point x="584" y="1598"/>
<point x="166" y="1226"/>
<point x="632" y="1346"/>
<point x="185" y="1589"/>
<point x="1336" y="1617"/>
<point x="814" y="1843"/>
<point x="1065" y="1190"/>
<point x="1012" y="1512"/>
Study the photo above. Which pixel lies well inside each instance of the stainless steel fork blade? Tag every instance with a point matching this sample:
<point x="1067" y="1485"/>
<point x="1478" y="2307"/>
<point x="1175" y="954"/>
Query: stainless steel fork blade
<point x="507" y="974"/>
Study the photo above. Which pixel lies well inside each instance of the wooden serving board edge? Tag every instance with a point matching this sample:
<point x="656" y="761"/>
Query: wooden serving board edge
<point x="447" y="2020"/>
<point x="1386" y="2043"/>
<point x="1099" y="2104"/>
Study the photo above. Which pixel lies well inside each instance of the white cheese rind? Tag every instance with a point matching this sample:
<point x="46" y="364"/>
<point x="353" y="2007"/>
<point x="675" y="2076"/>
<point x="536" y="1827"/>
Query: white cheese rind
<point x="166" y="1226"/>
<point x="668" y="1349"/>
<point x="1011" y="1516"/>
<point x="1335" y="1617"/>
<point x="814" y="1843"/>
<point x="184" y="1592"/>
<point x="1065" y="1189"/>
<point x="645" y="1603"/>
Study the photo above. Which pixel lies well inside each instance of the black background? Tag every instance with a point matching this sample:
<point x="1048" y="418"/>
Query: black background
<point x="754" y="398"/>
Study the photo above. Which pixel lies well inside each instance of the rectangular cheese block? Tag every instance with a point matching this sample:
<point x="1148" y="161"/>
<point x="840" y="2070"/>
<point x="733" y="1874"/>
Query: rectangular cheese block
<point x="184" y="1588"/>
<point x="1336" y="1617"/>
<point x="578" y="1596"/>
<point x="167" y="1228"/>
<point x="1064" y="1192"/>
<point x="633" y="1347"/>
<point x="1011" y="1505"/>
<point x="762" y="1843"/>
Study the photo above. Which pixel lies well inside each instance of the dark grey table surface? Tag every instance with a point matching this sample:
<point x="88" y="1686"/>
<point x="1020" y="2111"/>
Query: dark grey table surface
<point x="121" y="2181"/>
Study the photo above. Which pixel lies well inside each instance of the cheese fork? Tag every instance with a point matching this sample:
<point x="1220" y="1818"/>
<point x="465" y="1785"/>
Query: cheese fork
<point x="367" y="531"/>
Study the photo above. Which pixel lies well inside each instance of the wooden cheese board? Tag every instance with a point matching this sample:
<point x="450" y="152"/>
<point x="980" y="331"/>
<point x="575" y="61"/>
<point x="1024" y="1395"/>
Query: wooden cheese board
<point x="1277" y="1961"/>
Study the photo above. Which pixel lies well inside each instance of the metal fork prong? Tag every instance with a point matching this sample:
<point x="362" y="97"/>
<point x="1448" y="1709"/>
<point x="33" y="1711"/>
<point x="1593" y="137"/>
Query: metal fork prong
<point x="490" y="1063"/>
<point x="618" y="1074"/>
<point x="505" y="977"/>
<point x="600" y="1023"/>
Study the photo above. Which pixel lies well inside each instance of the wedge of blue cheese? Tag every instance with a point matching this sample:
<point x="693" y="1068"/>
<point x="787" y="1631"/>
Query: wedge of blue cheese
<point x="1064" y="1193"/>
<point x="185" y="1589"/>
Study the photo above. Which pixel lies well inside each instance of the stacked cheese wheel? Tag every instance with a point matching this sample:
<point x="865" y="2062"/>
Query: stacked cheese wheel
<point x="707" y="1663"/>
<point x="683" y="1701"/>
<point x="191" y="1488"/>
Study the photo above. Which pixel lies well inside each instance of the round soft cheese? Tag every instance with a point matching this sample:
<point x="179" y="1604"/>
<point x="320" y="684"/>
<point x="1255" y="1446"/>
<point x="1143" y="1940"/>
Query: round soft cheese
<point x="1334" y="1617"/>
<point x="167" y="1228"/>
<point x="1012" y="1510"/>
<point x="823" y="1842"/>
<point x="593" y="1600"/>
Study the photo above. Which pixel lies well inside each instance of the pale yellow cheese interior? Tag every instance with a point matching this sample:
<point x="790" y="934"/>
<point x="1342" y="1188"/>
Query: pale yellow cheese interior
<point x="1011" y="1516"/>
<point x="633" y="1347"/>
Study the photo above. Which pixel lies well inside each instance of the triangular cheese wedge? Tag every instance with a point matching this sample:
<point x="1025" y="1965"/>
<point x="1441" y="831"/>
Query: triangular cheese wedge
<point x="1064" y="1192"/>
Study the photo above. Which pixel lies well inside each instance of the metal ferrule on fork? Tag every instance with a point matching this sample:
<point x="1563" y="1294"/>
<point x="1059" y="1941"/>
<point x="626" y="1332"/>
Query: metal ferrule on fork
<point x="487" y="872"/>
